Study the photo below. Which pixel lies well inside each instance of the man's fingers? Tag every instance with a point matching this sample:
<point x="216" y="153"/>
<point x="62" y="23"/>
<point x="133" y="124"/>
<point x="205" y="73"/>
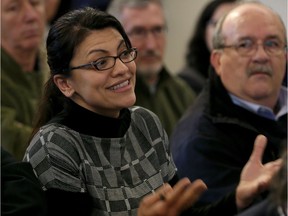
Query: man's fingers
<point x="151" y="203"/>
<point x="171" y="201"/>
<point x="194" y="191"/>
<point x="185" y="193"/>
<point x="274" y="165"/>
<point x="154" y="197"/>
<point x="270" y="169"/>
<point x="259" y="148"/>
<point x="181" y="185"/>
<point x="162" y="191"/>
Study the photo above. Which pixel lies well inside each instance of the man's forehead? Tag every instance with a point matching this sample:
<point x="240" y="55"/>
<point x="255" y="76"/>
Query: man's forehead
<point x="249" y="18"/>
<point x="244" y="12"/>
<point x="139" y="22"/>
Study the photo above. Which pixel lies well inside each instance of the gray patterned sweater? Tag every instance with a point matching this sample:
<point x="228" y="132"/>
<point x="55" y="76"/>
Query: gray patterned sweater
<point x="110" y="163"/>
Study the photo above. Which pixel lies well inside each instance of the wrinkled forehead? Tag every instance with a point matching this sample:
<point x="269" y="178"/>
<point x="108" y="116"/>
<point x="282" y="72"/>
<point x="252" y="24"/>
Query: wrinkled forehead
<point x="253" y="20"/>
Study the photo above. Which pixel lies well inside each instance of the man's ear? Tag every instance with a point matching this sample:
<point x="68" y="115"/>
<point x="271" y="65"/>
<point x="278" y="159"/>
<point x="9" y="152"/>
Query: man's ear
<point x="63" y="84"/>
<point x="215" y="60"/>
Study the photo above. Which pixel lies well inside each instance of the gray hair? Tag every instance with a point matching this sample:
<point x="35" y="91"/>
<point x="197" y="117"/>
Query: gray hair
<point x="218" y="37"/>
<point x="116" y="6"/>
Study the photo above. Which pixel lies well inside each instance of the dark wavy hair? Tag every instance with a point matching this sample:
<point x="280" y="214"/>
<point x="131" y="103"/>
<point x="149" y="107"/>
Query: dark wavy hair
<point x="64" y="36"/>
<point x="198" y="54"/>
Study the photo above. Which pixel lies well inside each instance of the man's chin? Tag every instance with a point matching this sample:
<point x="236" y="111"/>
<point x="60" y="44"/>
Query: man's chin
<point x="32" y="43"/>
<point x="149" y="71"/>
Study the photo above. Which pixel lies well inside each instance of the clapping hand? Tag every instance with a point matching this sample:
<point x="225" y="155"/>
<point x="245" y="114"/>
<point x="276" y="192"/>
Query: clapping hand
<point x="255" y="176"/>
<point x="168" y="201"/>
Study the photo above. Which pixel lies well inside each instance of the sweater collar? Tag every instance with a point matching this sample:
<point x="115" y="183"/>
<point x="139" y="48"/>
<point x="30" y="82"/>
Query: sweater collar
<point x="87" y="122"/>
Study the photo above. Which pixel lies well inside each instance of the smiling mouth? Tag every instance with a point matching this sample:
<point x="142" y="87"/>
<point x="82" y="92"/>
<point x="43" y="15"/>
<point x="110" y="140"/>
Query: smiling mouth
<point x="121" y="85"/>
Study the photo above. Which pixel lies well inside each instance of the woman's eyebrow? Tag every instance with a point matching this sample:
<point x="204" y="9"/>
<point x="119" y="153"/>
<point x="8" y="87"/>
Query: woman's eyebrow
<point x="121" y="43"/>
<point x="105" y="51"/>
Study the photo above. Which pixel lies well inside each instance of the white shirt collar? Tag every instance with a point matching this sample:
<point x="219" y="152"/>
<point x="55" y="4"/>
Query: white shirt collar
<point x="263" y="110"/>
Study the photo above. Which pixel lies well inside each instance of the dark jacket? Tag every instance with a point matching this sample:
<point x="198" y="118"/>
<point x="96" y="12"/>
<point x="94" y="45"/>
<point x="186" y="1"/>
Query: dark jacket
<point x="264" y="208"/>
<point x="214" y="140"/>
<point x="21" y="192"/>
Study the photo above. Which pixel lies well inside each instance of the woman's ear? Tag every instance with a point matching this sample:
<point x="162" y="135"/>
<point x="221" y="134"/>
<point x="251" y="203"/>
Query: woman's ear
<point x="64" y="85"/>
<point x="215" y="60"/>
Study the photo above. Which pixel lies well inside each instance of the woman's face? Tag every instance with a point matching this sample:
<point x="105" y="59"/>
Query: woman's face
<point x="105" y="92"/>
<point x="218" y="13"/>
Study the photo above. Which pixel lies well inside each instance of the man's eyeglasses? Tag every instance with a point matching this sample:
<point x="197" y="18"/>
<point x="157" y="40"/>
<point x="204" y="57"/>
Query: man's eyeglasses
<point x="248" y="47"/>
<point x="142" y="33"/>
<point x="108" y="62"/>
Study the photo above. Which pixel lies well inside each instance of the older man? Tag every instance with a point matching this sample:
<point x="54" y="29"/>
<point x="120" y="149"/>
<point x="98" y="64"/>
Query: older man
<point x="22" y="71"/>
<point x="156" y="89"/>
<point x="244" y="98"/>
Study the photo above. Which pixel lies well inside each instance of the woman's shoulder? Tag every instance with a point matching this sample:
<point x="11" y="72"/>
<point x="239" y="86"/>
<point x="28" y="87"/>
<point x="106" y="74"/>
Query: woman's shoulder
<point x="54" y="133"/>
<point x="53" y="128"/>
<point x="52" y="139"/>
<point x="138" y="111"/>
<point x="147" y="121"/>
<point x="143" y="114"/>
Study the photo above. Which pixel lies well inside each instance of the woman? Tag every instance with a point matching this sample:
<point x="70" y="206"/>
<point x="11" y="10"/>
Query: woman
<point x="195" y="72"/>
<point x="93" y="152"/>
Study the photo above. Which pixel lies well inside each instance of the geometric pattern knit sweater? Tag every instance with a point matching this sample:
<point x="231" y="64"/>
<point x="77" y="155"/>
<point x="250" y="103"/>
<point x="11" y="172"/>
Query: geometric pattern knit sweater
<point x="75" y="153"/>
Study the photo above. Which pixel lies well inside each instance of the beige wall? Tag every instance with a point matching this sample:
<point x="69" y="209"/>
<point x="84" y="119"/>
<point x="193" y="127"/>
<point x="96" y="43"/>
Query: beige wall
<point x="181" y="17"/>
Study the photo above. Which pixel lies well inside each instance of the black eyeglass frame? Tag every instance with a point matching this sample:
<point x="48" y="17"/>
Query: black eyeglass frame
<point x="93" y="64"/>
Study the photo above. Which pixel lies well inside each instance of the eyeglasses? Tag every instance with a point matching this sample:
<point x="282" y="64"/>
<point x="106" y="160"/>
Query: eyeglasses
<point x="142" y="33"/>
<point x="108" y="62"/>
<point x="248" y="47"/>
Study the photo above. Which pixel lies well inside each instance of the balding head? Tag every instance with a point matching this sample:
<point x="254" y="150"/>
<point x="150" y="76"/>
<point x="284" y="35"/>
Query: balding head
<point x="244" y="15"/>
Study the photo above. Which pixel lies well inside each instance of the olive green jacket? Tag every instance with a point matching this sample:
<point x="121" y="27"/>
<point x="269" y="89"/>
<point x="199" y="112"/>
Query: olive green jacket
<point x="171" y="98"/>
<point x="20" y="94"/>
